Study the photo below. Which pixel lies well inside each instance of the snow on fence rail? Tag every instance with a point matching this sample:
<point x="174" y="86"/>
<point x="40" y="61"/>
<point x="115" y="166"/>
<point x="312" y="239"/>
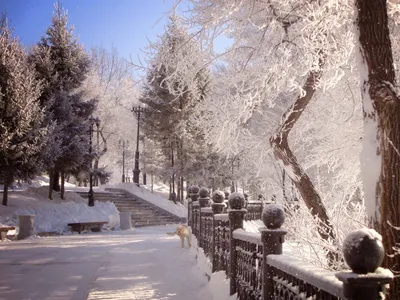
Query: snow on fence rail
<point x="254" y="262"/>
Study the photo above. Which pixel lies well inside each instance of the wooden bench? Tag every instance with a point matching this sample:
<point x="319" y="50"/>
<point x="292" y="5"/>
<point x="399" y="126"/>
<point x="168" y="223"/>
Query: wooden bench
<point x="93" y="226"/>
<point x="4" y="230"/>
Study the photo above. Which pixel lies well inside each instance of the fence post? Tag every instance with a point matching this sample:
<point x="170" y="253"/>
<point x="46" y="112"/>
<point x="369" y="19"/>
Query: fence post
<point x="194" y="194"/>
<point x="217" y="208"/>
<point x="204" y="201"/>
<point x="272" y="237"/>
<point x="363" y="252"/>
<point x="236" y="214"/>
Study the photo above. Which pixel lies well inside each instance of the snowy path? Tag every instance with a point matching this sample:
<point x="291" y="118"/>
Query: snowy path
<point x="141" y="264"/>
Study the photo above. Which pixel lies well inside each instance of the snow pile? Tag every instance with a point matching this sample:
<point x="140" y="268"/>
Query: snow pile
<point x="203" y="263"/>
<point x="54" y="215"/>
<point x="154" y="198"/>
<point x="218" y="282"/>
<point x="219" y="286"/>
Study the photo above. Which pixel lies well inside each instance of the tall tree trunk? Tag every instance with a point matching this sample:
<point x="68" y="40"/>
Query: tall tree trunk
<point x="182" y="190"/>
<point x="380" y="158"/>
<point x="8" y="179"/>
<point x="62" y="189"/>
<point x="170" y="189"/>
<point x="178" y="190"/>
<point x="280" y="145"/>
<point x="181" y="158"/>
<point x="51" y="178"/>
<point x="152" y="182"/>
<point x="56" y="181"/>
<point x="96" y="168"/>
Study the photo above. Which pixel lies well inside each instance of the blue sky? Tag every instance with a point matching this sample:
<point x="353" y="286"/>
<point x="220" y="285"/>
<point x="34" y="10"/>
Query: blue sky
<point x="124" y="24"/>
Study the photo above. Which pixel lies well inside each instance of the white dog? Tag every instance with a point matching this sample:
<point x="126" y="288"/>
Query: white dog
<point x="183" y="232"/>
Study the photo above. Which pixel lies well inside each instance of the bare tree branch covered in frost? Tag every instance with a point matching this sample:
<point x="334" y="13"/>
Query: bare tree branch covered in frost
<point x="282" y="50"/>
<point x="111" y="81"/>
<point x="274" y="47"/>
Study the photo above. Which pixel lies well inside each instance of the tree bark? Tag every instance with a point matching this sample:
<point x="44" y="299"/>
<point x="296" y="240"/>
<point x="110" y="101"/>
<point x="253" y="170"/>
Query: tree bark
<point x="382" y="110"/>
<point x="178" y="190"/>
<point x="8" y="179"/>
<point x="280" y="145"/>
<point x="96" y="169"/>
<point x="182" y="190"/>
<point x="56" y="181"/>
<point x="62" y="189"/>
<point x="51" y="185"/>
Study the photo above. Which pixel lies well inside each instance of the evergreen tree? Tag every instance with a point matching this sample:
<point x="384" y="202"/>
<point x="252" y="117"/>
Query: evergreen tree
<point x="21" y="134"/>
<point x="62" y="64"/>
<point x="175" y="84"/>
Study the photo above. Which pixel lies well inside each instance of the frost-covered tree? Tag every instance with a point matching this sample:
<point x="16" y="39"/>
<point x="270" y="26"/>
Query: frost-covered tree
<point x="62" y="64"/>
<point x="291" y="69"/>
<point x="275" y="44"/>
<point x="110" y="80"/>
<point x="176" y="82"/>
<point x="21" y="133"/>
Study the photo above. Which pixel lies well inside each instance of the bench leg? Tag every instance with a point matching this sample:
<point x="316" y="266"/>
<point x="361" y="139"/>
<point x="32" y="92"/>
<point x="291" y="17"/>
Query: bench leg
<point x="77" y="228"/>
<point x="96" y="228"/>
<point x="3" y="235"/>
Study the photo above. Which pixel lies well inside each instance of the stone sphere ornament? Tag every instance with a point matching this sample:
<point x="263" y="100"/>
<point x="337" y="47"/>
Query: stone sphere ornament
<point x="236" y="201"/>
<point x="194" y="189"/>
<point x="218" y="197"/>
<point x="363" y="250"/>
<point x="204" y="193"/>
<point x="273" y="216"/>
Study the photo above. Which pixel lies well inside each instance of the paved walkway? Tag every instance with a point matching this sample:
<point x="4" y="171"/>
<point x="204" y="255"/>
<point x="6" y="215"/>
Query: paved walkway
<point x="141" y="264"/>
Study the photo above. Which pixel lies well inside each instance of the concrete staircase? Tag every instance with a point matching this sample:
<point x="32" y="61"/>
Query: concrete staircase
<point x="143" y="213"/>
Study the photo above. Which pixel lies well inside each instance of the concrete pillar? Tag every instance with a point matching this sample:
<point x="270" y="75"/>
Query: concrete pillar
<point x="26" y="228"/>
<point x="125" y="220"/>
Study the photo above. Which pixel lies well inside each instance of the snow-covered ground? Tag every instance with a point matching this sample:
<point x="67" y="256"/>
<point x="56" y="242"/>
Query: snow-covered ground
<point x="54" y="215"/>
<point x="143" y="263"/>
<point x="140" y="264"/>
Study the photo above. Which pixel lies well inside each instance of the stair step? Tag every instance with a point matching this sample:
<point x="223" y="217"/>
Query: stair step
<point x="142" y="213"/>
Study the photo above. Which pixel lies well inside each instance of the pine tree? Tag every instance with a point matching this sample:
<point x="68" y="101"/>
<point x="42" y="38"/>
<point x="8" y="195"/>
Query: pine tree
<point x="176" y="82"/>
<point x="63" y="64"/>
<point x="21" y="133"/>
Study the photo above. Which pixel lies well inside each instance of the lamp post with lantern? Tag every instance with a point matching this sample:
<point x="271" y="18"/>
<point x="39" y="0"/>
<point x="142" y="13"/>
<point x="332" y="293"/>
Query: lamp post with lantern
<point x="92" y="121"/>
<point x="137" y="110"/>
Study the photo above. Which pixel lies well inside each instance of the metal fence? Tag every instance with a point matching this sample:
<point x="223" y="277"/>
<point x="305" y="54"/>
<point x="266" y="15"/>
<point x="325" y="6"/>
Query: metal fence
<point x="254" y="262"/>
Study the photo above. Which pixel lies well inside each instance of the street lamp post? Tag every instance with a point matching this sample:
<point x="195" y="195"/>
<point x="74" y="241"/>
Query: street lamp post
<point x="123" y="161"/>
<point x="144" y="161"/>
<point x="91" y="193"/>
<point x="136" y="170"/>
<point x="97" y="122"/>
<point x="122" y="142"/>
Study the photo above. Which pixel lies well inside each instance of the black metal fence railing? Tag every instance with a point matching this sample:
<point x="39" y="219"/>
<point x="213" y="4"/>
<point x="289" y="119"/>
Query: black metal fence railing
<point x="254" y="262"/>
